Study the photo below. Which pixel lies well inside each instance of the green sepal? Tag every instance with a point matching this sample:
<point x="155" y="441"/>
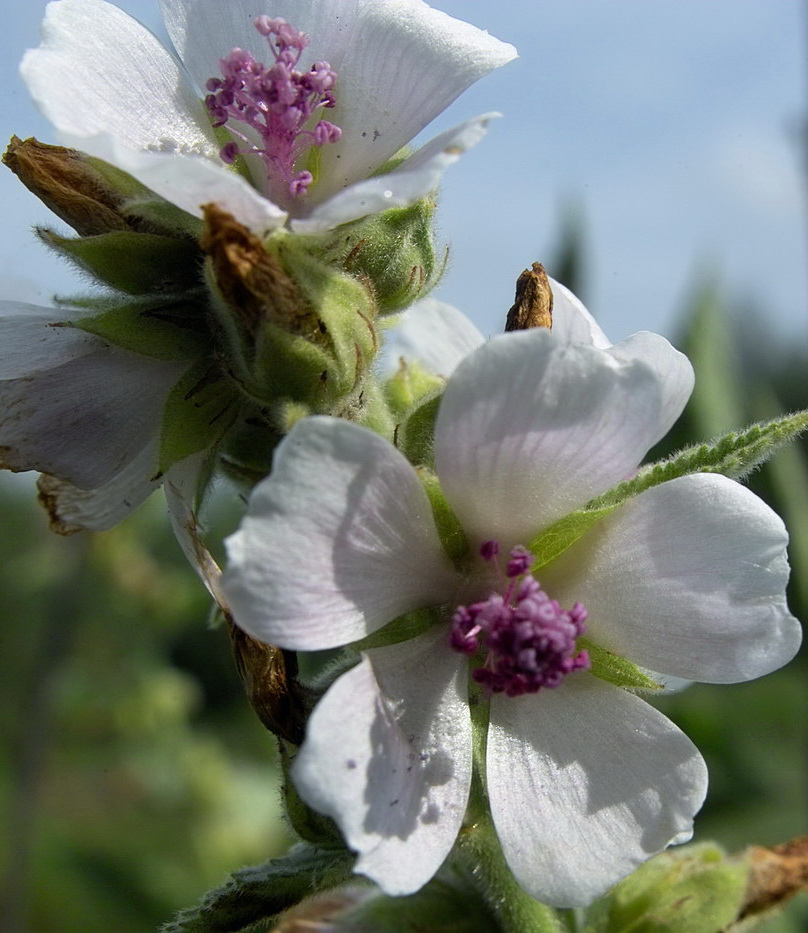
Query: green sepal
<point x="163" y="216"/>
<point x="734" y="455"/>
<point x="410" y="385"/>
<point x="405" y="627"/>
<point x="553" y="541"/>
<point x="616" y="670"/>
<point x="449" y="529"/>
<point x="163" y="329"/>
<point x="199" y="410"/>
<point x="258" y="894"/>
<point x="136" y="263"/>
<point x="415" y="436"/>
<point x="395" y="251"/>
<point x="448" y="904"/>
<point x="697" y="889"/>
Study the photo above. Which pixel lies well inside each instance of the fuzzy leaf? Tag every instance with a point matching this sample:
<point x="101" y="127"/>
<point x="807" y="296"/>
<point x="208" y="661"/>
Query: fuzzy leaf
<point x="199" y="409"/>
<point x="163" y="330"/>
<point x="616" y="670"/>
<point x="733" y="455"/>
<point x="135" y="263"/>
<point x="259" y="893"/>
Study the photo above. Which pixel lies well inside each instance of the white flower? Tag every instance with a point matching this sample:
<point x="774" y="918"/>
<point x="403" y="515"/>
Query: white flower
<point x="84" y="412"/>
<point x="585" y="780"/>
<point x="112" y="90"/>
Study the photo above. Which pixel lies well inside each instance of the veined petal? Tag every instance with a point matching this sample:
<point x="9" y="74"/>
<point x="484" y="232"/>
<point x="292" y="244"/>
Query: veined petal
<point x="587" y="781"/>
<point x="34" y="340"/>
<point x="203" y="33"/>
<point x="72" y="509"/>
<point x="530" y="429"/>
<point x="395" y="772"/>
<point x="415" y="178"/>
<point x="572" y="323"/>
<point x="688" y="579"/>
<point x="188" y="181"/>
<point x="85" y="419"/>
<point x="337" y="541"/>
<point x="403" y="64"/>
<point x="99" y="71"/>
<point x="434" y="334"/>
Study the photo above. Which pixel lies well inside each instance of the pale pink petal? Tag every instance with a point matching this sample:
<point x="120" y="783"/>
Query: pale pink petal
<point x="388" y="756"/>
<point x="688" y="579"/>
<point x="572" y="323"/>
<point x="587" y="781"/>
<point x="337" y="541"/>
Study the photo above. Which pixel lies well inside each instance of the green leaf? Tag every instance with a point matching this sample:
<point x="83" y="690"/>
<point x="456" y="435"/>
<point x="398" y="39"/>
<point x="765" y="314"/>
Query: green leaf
<point x="135" y="263"/>
<point x="450" y="531"/>
<point x="553" y="541"/>
<point x="198" y="411"/>
<point x="164" y="330"/>
<point x="695" y="889"/>
<point x="260" y="893"/>
<point x="733" y="455"/>
<point x="616" y="670"/>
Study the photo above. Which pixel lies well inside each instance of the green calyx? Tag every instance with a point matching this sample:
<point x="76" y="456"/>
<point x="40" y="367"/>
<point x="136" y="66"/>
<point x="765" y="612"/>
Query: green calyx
<point x="292" y="329"/>
<point x="394" y="252"/>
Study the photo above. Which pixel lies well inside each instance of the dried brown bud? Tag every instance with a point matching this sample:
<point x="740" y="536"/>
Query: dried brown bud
<point x="268" y="675"/>
<point x="533" y="306"/>
<point x="66" y="182"/>
<point x="775" y="875"/>
<point x="251" y="280"/>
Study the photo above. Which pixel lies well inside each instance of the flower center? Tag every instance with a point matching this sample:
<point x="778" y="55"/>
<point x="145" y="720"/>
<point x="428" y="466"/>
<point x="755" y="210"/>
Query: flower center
<point x="275" y="103"/>
<point x="528" y="638"/>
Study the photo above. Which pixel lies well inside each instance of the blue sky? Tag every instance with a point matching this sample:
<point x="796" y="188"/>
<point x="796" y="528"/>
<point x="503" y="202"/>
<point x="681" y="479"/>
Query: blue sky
<point x="670" y="126"/>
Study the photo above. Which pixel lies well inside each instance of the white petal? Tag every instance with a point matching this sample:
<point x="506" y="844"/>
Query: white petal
<point x="586" y="782"/>
<point x="530" y="429"/>
<point x="183" y="488"/>
<point x="403" y="64"/>
<point x="388" y="756"/>
<point x="431" y="333"/>
<point x="688" y="579"/>
<point x="72" y="509"/>
<point x="32" y="339"/>
<point x="99" y="71"/>
<point x="188" y="181"/>
<point x="337" y="541"/>
<point x="415" y="178"/>
<point x="85" y="419"/>
<point x="572" y="323"/>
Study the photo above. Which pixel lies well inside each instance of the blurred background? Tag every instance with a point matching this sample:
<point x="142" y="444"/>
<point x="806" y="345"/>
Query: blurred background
<point x="653" y="156"/>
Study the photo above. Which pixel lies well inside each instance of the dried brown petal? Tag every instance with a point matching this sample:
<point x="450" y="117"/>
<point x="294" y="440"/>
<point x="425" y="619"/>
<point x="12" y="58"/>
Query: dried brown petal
<point x="533" y="306"/>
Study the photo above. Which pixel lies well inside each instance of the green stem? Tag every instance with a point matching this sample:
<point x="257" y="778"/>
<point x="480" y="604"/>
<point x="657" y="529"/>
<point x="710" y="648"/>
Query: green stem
<point x="478" y="852"/>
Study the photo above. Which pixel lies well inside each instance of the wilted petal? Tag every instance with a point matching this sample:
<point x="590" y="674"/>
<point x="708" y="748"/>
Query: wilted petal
<point x="337" y="541"/>
<point x="84" y="419"/>
<point x="99" y="71"/>
<point x="530" y="429"/>
<point x="586" y="782"/>
<point x="434" y="334"/>
<point x="72" y="509"/>
<point x="688" y="579"/>
<point x="388" y="756"/>
<point x="33" y="339"/>
<point x="415" y="178"/>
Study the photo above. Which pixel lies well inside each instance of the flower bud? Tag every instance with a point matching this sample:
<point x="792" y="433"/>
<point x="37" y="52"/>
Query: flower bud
<point x="394" y="251"/>
<point x="293" y="329"/>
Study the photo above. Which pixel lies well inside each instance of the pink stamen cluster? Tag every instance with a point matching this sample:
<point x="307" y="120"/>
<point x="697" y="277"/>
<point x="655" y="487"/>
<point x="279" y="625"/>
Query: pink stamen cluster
<point x="276" y="102"/>
<point x="528" y="638"/>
